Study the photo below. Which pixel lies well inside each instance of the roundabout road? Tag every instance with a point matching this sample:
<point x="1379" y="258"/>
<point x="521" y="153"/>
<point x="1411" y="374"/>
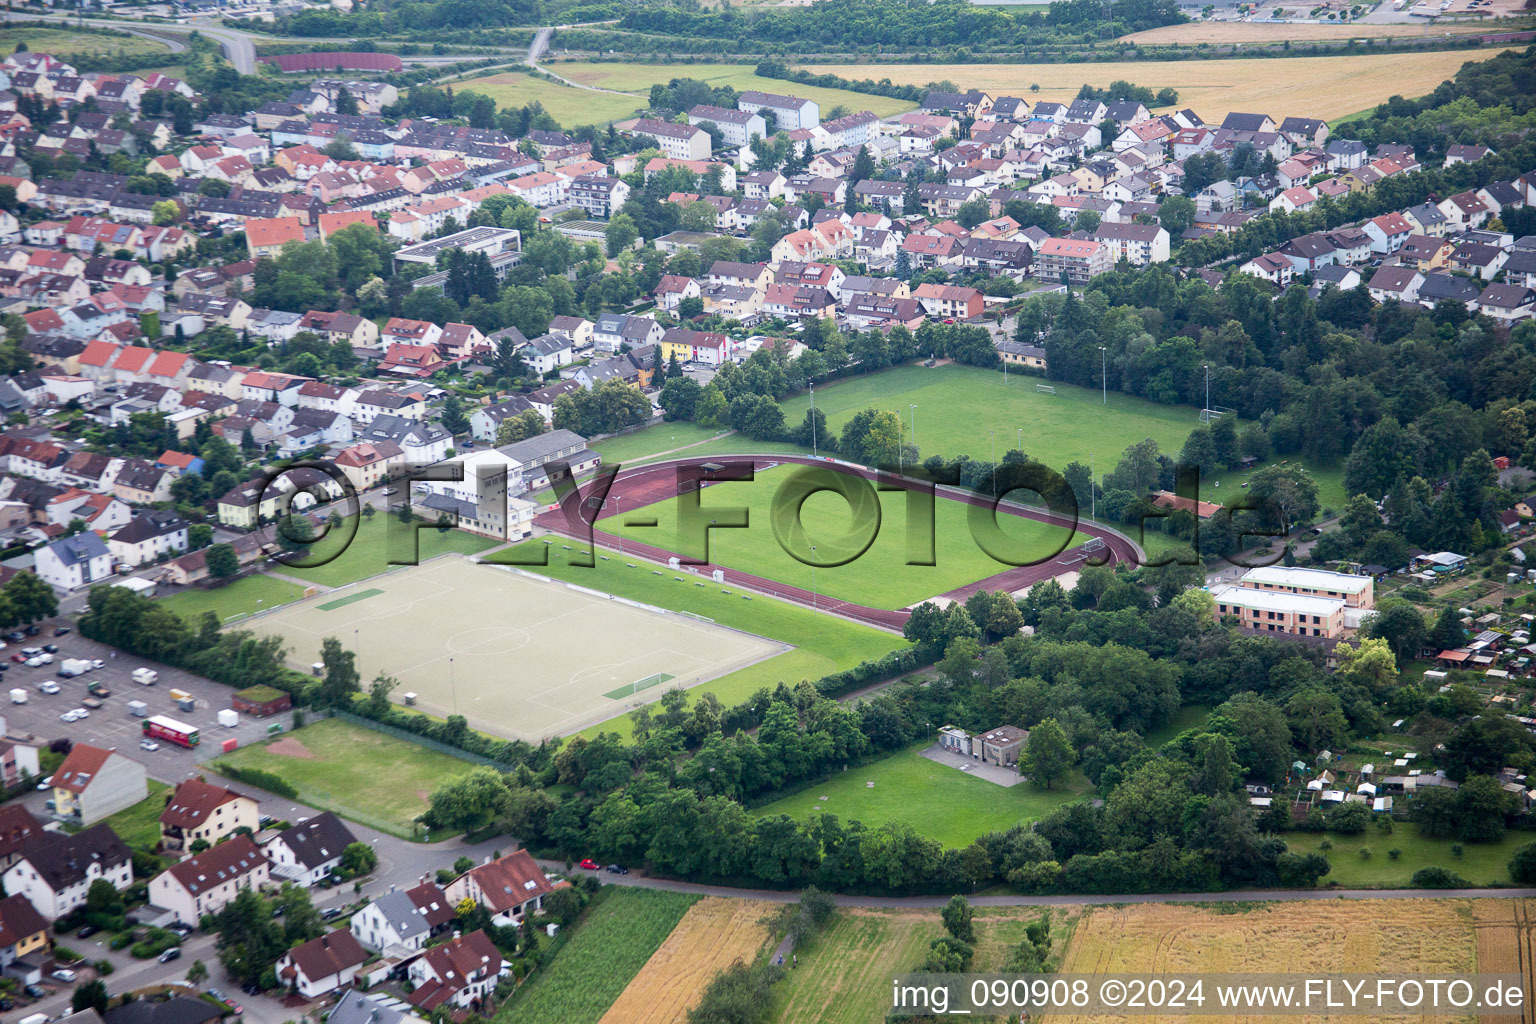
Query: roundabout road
<point x="657" y="481"/>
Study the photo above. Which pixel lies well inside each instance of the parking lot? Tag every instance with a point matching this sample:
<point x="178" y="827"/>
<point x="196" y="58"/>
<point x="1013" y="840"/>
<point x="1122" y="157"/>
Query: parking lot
<point x="112" y="725"/>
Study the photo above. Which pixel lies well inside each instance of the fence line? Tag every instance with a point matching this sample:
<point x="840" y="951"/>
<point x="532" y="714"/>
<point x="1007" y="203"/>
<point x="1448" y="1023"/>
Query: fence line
<point x="416" y="737"/>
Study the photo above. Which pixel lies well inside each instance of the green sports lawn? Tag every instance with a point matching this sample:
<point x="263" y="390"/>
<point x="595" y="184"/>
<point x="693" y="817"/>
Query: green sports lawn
<point x="245" y="596"/>
<point x="358" y="773"/>
<point x="378" y="539"/>
<point x="602" y="955"/>
<point x="940" y="801"/>
<point x="823" y="643"/>
<point x="880" y="577"/>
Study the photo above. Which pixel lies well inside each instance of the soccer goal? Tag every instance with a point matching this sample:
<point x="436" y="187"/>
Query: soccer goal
<point x="1045" y="389"/>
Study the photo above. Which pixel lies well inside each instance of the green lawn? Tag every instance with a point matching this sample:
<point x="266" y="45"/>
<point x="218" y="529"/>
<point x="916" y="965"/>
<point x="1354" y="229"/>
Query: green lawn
<point x="1191" y="716"/>
<point x="244" y="596"/>
<point x="139" y="825"/>
<point x="941" y="802"/>
<point x="1480" y="863"/>
<point x="372" y="778"/>
<point x="878" y="578"/>
<point x="603" y="953"/>
<point x="958" y="408"/>
<point x="378" y="539"/>
<point x="647" y="444"/>
<point x="570" y="106"/>
<point x="1330" y="482"/>
<point x="78" y="46"/>
<point x="638" y="79"/>
<point x="823" y="643"/>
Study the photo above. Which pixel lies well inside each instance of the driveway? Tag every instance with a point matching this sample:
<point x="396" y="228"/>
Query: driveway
<point x="996" y="774"/>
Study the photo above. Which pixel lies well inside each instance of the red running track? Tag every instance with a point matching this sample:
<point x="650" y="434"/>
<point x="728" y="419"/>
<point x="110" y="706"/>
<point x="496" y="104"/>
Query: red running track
<point x="633" y="489"/>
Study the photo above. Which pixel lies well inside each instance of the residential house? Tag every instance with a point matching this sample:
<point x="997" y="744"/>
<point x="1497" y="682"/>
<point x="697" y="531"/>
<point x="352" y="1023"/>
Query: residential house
<point x="308" y="852"/>
<point x="207" y="882"/>
<point x="23" y="931"/>
<point x="74" y="562"/>
<point x="405" y="918"/>
<point x="458" y="973"/>
<point x="93" y="783"/>
<point x="149" y="537"/>
<point x="199" y="811"/>
<point x="54" y="870"/>
<point x="322" y="965"/>
<point x="508" y="888"/>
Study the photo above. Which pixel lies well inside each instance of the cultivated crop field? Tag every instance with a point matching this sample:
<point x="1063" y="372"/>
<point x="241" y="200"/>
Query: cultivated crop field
<point x="356" y="772"/>
<point x="609" y="946"/>
<point x="845" y="973"/>
<point x="939" y="800"/>
<point x="1403" y="937"/>
<point x="1218" y="33"/>
<point x="714" y="933"/>
<point x="880" y="577"/>
<point x="1326" y="87"/>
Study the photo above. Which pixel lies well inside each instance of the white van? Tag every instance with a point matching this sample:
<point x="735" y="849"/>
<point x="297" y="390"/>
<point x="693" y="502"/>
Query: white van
<point x="18" y="696"/>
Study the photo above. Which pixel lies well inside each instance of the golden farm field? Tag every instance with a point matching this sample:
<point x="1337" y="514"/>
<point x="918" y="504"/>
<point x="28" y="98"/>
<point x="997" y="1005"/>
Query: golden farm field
<point x="714" y="933"/>
<point x="1325" y="87"/>
<point x="1221" y="32"/>
<point x="1407" y="937"/>
<point x="638" y="79"/>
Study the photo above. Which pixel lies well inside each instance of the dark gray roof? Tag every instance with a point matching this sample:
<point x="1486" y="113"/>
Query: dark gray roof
<point x="82" y="547"/>
<point x="1448" y="286"/>
<point x="536" y="450"/>
<point x="176" y="1010"/>
<point x="62" y="860"/>
<point x="318" y="840"/>
<point x="152" y="524"/>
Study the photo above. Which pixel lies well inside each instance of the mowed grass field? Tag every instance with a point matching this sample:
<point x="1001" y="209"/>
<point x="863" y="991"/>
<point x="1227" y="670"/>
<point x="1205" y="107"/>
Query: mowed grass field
<point x="379" y="539"/>
<point x="245" y="596"/>
<point x="139" y="825"/>
<point x="606" y="949"/>
<point x="845" y="972"/>
<point x="823" y="644"/>
<point x="358" y="773"/>
<point x="571" y="107"/>
<point x="711" y="936"/>
<point x="958" y="408"/>
<point x="1479" y="863"/>
<point x="67" y="44"/>
<point x="638" y="78"/>
<point x="940" y="801"/>
<point x="1325" y="87"/>
<point x="878" y="578"/>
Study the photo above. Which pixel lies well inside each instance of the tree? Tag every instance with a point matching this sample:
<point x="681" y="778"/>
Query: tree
<point x="1048" y="754"/>
<point x="164" y="213"/>
<point x="620" y="234"/>
<point x="1448" y="633"/>
<point x="378" y="694"/>
<point x="454" y="419"/>
<point x="90" y="995"/>
<point x="223" y="563"/>
<point x="957" y="916"/>
<point x="346" y="103"/>
<point x="359" y="859"/>
<point x="1402" y="626"/>
<point x="341" y="679"/>
<point x="1522" y="866"/>
<point x="1291" y="489"/>
<point x="197" y="973"/>
<point x="469" y="803"/>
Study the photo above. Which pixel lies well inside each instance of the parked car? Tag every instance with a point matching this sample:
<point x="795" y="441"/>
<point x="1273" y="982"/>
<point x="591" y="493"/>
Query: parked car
<point x="87" y="931"/>
<point x="48" y="686"/>
<point x="32" y="630"/>
<point x="15" y="636"/>
<point x="174" y="953"/>
<point x="36" y="991"/>
<point x="391" y="490"/>
<point x="148" y="745"/>
<point x="46" y="783"/>
<point x="590" y="865"/>
<point x="221" y="997"/>
<point x="65" y="975"/>
<point x="39" y="660"/>
<point x="51" y="648"/>
<point x="617" y="869"/>
<point x="62" y="630"/>
<point x="69" y="716"/>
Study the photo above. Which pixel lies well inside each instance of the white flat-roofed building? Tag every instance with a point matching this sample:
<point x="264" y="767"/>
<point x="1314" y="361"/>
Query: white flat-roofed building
<point x="737" y="127"/>
<point x="789" y="112"/>
<point x="1276" y="612"/>
<point x="1355" y="591"/>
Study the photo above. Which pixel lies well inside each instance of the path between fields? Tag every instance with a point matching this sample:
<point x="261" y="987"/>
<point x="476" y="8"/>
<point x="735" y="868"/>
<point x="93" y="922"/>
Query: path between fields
<point x="1092" y="899"/>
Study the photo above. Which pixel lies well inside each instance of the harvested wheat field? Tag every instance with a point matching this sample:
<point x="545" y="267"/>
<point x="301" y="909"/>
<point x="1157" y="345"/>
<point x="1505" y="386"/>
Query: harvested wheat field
<point x="710" y="936"/>
<point x="1418" y="936"/>
<point x="1326" y="87"/>
<point x="1503" y="929"/>
<point x="1224" y="32"/>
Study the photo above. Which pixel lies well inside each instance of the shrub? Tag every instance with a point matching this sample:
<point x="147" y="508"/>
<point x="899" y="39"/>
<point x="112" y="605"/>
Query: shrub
<point x="258" y="777"/>
<point x="1522" y="866"/>
<point x="1438" y="878"/>
<point x="1394" y="853"/>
